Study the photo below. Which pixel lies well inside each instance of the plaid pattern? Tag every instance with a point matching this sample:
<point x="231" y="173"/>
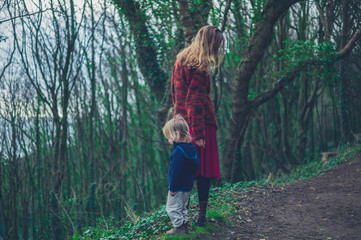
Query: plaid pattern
<point x="190" y="94"/>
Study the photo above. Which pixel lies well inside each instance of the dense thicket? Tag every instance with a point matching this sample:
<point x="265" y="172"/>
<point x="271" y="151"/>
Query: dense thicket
<point x="84" y="93"/>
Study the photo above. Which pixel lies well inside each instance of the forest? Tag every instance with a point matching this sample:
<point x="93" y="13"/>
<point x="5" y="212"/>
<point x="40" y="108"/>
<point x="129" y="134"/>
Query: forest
<point x="84" y="94"/>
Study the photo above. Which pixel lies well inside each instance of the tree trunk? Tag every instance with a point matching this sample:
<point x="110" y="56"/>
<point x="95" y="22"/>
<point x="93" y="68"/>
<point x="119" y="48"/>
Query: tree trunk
<point x="13" y="232"/>
<point x="145" y="47"/>
<point x="344" y="81"/>
<point x="257" y="45"/>
<point x="186" y="21"/>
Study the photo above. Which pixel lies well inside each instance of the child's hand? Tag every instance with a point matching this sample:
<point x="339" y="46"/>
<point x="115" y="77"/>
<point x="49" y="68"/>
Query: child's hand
<point x="172" y="193"/>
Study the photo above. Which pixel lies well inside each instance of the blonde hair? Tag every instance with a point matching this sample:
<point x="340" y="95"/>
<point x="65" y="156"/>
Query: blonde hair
<point x="204" y="49"/>
<point x="177" y="129"/>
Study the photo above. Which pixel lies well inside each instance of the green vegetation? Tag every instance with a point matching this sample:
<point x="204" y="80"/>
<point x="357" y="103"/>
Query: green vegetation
<point x="224" y="202"/>
<point x="315" y="168"/>
<point x="195" y="233"/>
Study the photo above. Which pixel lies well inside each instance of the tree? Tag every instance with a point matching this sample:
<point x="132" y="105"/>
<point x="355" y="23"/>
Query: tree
<point x="242" y="107"/>
<point x="58" y="64"/>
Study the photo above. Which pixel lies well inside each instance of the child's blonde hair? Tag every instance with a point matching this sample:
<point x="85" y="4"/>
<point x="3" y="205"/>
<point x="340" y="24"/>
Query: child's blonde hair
<point x="177" y="129"/>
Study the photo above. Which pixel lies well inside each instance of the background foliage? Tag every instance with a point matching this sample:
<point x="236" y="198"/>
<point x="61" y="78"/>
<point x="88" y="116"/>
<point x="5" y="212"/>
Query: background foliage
<point x="84" y="95"/>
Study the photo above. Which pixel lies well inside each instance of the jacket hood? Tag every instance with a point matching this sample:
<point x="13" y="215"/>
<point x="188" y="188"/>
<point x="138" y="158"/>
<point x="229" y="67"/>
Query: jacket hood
<point x="189" y="149"/>
<point x="190" y="152"/>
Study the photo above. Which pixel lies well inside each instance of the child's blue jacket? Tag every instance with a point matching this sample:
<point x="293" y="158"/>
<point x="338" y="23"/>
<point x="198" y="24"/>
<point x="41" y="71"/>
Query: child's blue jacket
<point x="184" y="163"/>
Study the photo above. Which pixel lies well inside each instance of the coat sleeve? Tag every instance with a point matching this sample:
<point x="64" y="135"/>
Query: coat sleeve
<point x="195" y="105"/>
<point x="176" y="166"/>
<point x="179" y="91"/>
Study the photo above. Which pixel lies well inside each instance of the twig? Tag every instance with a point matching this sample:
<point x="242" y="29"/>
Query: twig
<point x="21" y="16"/>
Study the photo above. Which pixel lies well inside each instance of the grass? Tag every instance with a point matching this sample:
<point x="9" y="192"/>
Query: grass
<point x="195" y="233"/>
<point x="316" y="168"/>
<point x="222" y="204"/>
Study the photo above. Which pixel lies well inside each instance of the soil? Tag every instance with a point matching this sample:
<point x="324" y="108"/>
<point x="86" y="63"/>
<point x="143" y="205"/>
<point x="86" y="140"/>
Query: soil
<point x="325" y="207"/>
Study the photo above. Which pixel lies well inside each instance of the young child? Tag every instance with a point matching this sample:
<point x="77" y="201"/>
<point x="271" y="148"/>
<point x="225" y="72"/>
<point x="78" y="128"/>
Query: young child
<point x="184" y="163"/>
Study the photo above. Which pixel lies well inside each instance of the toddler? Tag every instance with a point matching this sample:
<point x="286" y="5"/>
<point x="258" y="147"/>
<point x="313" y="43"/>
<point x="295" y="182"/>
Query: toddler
<point x="184" y="163"/>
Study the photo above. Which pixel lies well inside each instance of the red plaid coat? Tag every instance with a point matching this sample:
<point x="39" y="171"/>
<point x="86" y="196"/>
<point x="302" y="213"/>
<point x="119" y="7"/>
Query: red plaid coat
<point x="190" y="93"/>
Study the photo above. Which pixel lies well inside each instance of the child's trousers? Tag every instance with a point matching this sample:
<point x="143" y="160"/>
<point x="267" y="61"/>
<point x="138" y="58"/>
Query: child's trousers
<point x="177" y="208"/>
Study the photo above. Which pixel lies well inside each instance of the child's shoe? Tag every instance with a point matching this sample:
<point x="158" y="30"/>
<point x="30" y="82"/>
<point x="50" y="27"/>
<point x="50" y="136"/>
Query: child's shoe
<point x="182" y="229"/>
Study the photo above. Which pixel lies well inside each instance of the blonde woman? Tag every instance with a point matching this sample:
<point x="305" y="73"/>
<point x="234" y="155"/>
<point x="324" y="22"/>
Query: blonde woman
<point x="183" y="166"/>
<point x="191" y="87"/>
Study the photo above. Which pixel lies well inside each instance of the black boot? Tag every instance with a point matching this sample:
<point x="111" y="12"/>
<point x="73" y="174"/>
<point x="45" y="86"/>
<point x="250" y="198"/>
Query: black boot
<point x="200" y="217"/>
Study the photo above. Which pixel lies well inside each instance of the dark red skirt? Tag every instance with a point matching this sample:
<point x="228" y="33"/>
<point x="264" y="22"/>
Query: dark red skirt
<point x="208" y="156"/>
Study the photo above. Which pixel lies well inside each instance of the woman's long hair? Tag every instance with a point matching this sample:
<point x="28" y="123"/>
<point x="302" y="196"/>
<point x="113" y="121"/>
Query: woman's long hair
<point x="204" y="49"/>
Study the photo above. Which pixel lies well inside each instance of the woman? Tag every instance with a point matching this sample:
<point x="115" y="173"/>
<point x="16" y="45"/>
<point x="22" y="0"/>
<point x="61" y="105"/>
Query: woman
<point x="190" y="92"/>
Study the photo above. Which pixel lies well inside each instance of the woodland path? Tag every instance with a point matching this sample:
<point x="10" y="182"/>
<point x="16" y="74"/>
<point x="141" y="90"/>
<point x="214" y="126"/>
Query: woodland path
<point x="321" y="208"/>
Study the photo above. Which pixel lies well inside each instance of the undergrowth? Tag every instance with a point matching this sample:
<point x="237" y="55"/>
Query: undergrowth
<point x="222" y="204"/>
<point x="315" y="168"/>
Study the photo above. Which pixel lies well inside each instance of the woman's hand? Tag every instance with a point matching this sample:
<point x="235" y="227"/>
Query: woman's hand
<point x="201" y="143"/>
<point x="172" y="193"/>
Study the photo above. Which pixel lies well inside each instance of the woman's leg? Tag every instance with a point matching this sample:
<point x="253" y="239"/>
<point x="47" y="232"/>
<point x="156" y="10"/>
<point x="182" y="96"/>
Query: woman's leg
<point x="203" y="185"/>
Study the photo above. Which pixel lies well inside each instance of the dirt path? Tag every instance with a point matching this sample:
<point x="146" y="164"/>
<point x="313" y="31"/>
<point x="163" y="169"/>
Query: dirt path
<point x="324" y="207"/>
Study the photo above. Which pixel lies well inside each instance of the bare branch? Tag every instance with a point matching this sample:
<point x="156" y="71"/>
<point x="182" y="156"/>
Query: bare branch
<point x="286" y="79"/>
<point x="290" y="76"/>
<point x="24" y="15"/>
<point x="8" y="64"/>
<point x="225" y="15"/>
<point x="349" y="46"/>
